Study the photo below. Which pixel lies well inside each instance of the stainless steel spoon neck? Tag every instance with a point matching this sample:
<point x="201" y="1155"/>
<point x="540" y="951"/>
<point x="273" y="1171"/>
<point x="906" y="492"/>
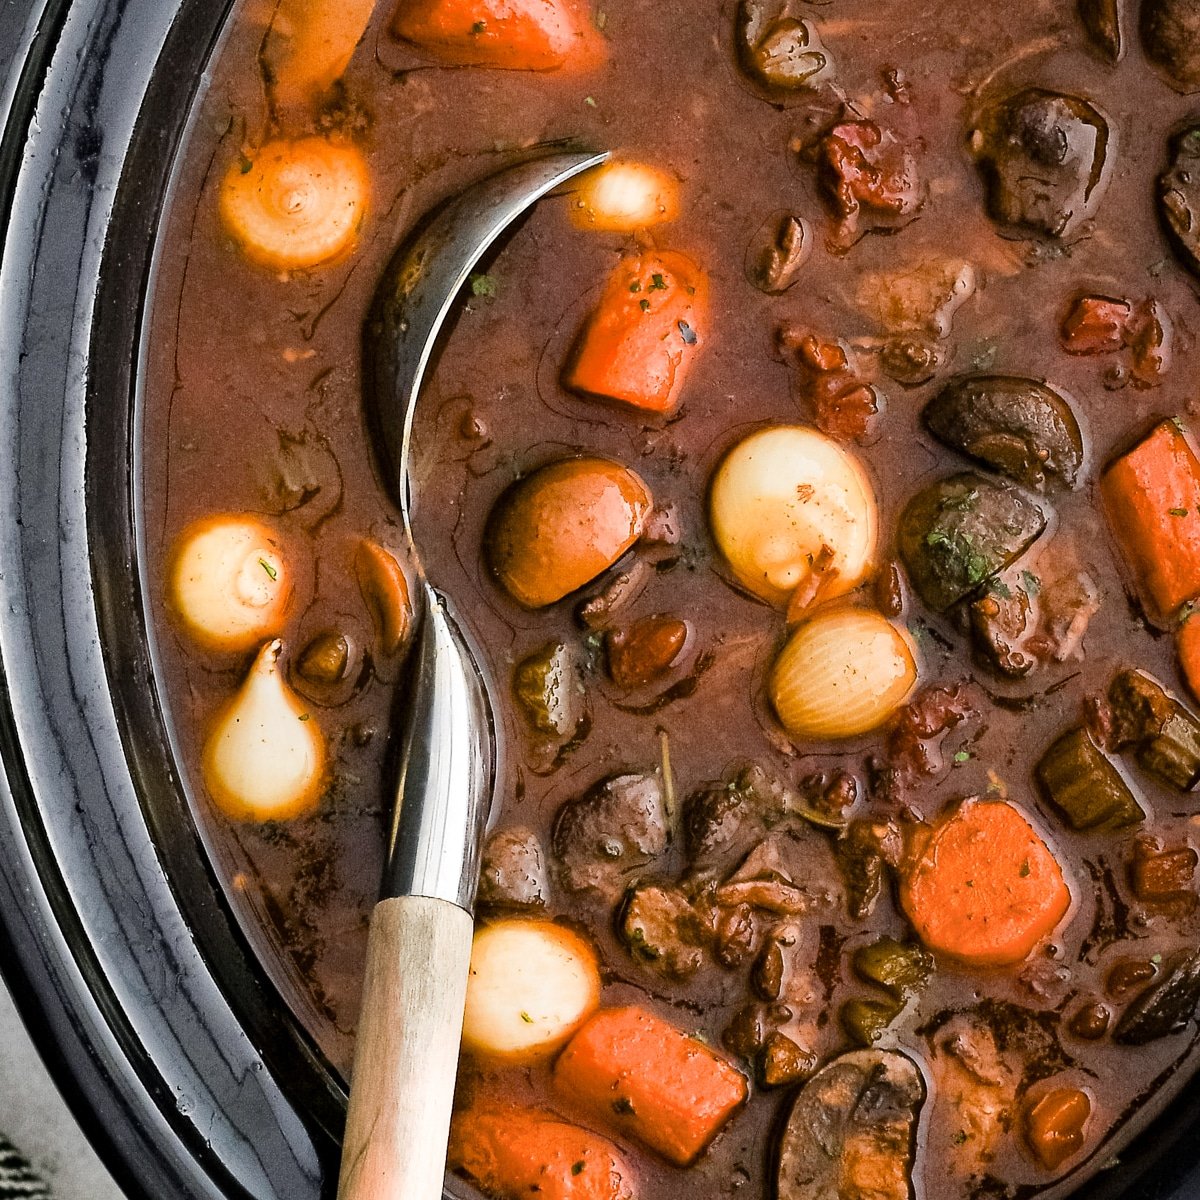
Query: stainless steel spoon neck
<point x="448" y="767"/>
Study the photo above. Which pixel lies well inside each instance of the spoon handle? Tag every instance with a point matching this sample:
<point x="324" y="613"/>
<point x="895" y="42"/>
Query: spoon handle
<point x="406" y="1055"/>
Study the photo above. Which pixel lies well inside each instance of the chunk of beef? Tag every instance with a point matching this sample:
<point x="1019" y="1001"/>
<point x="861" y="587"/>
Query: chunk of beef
<point x="843" y="403"/>
<point x="1164" y="733"/>
<point x="1179" y="196"/>
<point x="870" y="178"/>
<point x="785" y="1062"/>
<point x="915" y="742"/>
<point x="1043" y="157"/>
<point x="661" y="927"/>
<point x="1002" y="621"/>
<point x="513" y="870"/>
<point x="619" y="825"/>
<point x="1168" y="1007"/>
<point x="863" y="855"/>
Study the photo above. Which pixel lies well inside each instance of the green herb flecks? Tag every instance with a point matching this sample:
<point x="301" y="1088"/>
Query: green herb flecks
<point x="272" y="574"/>
<point x="484" y="285"/>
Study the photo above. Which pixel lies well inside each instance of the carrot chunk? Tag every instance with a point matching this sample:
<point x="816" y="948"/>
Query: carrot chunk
<point x="650" y="1080"/>
<point x="514" y="35"/>
<point x="515" y="1153"/>
<point x="985" y="888"/>
<point x="644" y="335"/>
<point x="1187" y="646"/>
<point x="1152" y="495"/>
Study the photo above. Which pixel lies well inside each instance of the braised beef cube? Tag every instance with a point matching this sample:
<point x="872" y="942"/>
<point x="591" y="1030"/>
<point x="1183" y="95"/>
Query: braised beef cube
<point x="959" y="532"/>
<point x="1163" y="876"/>
<point x="784" y="1062"/>
<point x="777" y="253"/>
<point x="747" y="1032"/>
<point x="644" y="652"/>
<point x="766" y="976"/>
<point x="1085" y="787"/>
<point x="513" y="871"/>
<point x="1166" y="735"/>
<point x="852" y="1130"/>
<point x="911" y="358"/>
<point x="715" y="822"/>
<point x="619" y="825"/>
<point x="1019" y="427"/>
<point x="1042" y="155"/>
<point x="1102" y="21"/>
<point x="779" y="50"/>
<point x="1165" y="1008"/>
<point x="1171" y="40"/>
<point x="661" y="928"/>
<point x="548" y="687"/>
<point x="736" y="935"/>
<point x="860" y="859"/>
<point x="1002" y="622"/>
<point x="914" y="744"/>
<point x="869" y="175"/>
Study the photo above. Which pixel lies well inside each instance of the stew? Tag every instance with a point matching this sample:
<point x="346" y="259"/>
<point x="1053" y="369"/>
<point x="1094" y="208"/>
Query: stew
<point x="819" y="480"/>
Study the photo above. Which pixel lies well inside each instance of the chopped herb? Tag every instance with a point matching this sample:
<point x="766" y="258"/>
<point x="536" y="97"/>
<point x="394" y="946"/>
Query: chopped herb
<point x="484" y="285"/>
<point x="246" y="165"/>
<point x="526" y="1018"/>
<point x="657" y="283"/>
<point x="479" y="27"/>
<point x="1178" y="423"/>
<point x="304" y="716"/>
<point x="1178" y="512"/>
<point x="577" y="1167"/>
<point x="623" y="1107"/>
<point x="970" y="883"/>
<point x="1156" y="959"/>
<point x="636" y="286"/>
<point x="688" y="334"/>
<point x="961" y="1137"/>
<point x="999" y="588"/>
<point x="962" y="756"/>
<point x="590" y="101"/>
<point x="270" y="570"/>
<point x="1032" y="583"/>
<point x="1025" y="869"/>
<point x="644" y="305"/>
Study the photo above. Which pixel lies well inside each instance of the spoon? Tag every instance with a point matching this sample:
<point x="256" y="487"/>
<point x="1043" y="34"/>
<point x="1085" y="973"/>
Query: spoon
<point x="419" y="947"/>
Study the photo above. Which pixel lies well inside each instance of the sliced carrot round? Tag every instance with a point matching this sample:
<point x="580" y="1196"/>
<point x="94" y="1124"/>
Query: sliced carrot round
<point x="296" y="204"/>
<point x="985" y="888"/>
<point x="1187" y="645"/>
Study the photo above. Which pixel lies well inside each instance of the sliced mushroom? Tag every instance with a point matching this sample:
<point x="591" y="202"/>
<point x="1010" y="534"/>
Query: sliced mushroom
<point x="1179" y="196"/>
<point x="1017" y="426"/>
<point x="959" y="532"/>
<point x="852" y="1130"/>
<point x="1043" y="157"/>
<point x="1167" y="1007"/>
<point x="778" y="50"/>
<point x="1171" y="39"/>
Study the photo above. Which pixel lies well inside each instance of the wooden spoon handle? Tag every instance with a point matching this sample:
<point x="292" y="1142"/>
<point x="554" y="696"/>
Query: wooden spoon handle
<point x="406" y="1055"/>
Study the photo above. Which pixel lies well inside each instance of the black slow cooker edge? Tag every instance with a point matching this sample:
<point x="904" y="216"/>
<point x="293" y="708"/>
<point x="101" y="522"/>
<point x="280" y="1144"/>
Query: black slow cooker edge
<point x="178" y="1060"/>
<point x="172" y="1051"/>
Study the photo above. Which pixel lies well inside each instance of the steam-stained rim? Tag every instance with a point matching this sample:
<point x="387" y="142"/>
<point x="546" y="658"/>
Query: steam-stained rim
<point x="169" y="1043"/>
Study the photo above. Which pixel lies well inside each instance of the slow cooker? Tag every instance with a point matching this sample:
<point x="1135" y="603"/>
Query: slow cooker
<point x="167" y="1039"/>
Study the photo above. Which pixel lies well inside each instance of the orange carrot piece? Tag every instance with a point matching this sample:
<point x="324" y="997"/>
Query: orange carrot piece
<point x="985" y="888"/>
<point x="515" y="35"/>
<point x="515" y="1153"/>
<point x="650" y="1080"/>
<point x="1187" y="646"/>
<point x="644" y="335"/>
<point x="1152" y="495"/>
